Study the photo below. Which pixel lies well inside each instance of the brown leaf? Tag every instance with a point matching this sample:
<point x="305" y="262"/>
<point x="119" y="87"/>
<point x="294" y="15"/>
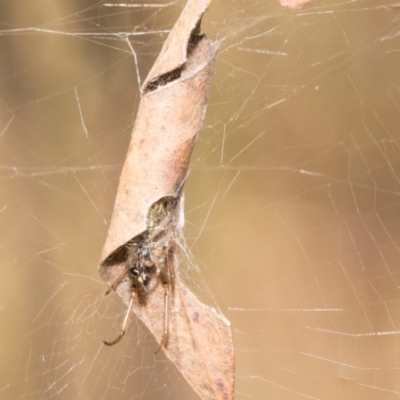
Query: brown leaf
<point x="139" y="259"/>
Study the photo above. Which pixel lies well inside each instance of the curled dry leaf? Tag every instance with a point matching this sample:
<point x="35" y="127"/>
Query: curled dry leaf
<point x="139" y="259"/>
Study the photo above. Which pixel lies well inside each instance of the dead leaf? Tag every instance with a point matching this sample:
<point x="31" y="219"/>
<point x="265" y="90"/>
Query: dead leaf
<point x="169" y="118"/>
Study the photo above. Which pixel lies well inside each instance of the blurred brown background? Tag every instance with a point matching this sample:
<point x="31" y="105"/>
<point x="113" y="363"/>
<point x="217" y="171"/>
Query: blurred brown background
<point x="292" y="202"/>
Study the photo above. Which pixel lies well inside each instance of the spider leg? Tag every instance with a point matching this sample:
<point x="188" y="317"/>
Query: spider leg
<point x="168" y="282"/>
<point x="165" y="336"/>
<point x="124" y="324"/>
<point x="170" y="267"/>
<point x="116" y="283"/>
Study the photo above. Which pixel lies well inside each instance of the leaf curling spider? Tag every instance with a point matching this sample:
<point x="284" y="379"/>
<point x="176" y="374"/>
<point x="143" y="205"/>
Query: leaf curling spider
<point x="151" y="255"/>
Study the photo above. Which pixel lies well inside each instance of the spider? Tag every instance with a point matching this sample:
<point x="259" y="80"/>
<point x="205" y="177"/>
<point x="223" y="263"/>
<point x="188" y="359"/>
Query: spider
<point x="151" y="255"/>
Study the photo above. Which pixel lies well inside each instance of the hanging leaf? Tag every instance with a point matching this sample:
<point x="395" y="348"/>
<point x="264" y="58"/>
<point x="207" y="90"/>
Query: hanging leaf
<point x="140" y="258"/>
